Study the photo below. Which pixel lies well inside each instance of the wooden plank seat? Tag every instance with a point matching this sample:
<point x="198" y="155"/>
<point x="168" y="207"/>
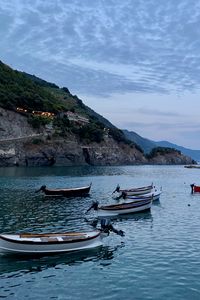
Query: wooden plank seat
<point x="40" y="235"/>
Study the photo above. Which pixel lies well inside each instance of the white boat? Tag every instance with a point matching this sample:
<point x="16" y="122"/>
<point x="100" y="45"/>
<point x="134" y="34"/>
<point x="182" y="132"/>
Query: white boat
<point x="154" y="195"/>
<point x="121" y="208"/>
<point x="133" y="191"/>
<point x="48" y="243"/>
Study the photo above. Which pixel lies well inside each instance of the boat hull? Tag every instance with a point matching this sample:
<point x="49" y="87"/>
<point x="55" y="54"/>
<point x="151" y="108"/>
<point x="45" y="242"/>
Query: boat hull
<point x="196" y="189"/>
<point x="118" y="193"/>
<point x="15" y="244"/>
<point x="139" y="192"/>
<point x="124" y="208"/>
<point x="76" y="192"/>
<point x="154" y="195"/>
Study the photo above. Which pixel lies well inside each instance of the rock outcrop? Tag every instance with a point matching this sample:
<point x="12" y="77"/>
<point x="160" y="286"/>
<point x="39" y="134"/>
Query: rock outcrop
<point x="171" y="159"/>
<point x="21" y="145"/>
<point x="59" y="152"/>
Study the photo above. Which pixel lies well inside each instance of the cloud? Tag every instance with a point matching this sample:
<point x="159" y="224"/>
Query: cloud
<point x="154" y="112"/>
<point x="164" y="129"/>
<point x="155" y="44"/>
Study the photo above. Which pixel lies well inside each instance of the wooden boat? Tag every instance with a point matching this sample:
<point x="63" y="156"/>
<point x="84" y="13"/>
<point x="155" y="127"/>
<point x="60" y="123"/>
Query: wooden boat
<point x="49" y="243"/>
<point x="195" y="188"/>
<point x="121" y="208"/>
<point x="134" y="191"/>
<point x="192" y="166"/>
<point x="154" y="195"/>
<point x="70" y="192"/>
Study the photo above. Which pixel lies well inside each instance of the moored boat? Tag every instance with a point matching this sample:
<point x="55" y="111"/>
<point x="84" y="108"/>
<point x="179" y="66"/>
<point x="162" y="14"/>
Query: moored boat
<point x="51" y="243"/>
<point x="121" y="208"/>
<point x="154" y="195"/>
<point x="68" y="192"/>
<point x="195" y="188"/>
<point x="134" y="191"/>
<point x="192" y="166"/>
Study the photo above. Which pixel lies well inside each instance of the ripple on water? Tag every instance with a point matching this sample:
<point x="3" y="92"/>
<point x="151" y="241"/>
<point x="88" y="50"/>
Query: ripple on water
<point x="158" y="258"/>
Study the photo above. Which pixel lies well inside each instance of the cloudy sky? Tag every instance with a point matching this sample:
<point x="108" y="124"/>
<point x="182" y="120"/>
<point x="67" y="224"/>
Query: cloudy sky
<point x="136" y="62"/>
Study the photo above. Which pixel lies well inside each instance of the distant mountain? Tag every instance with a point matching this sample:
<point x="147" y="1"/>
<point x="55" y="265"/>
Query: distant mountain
<point x="194" y="154"/>
<point x="147" y="145"/>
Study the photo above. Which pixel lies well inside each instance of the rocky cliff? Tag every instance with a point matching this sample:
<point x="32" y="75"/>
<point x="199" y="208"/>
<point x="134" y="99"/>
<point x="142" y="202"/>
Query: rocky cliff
<point x="171" y="159"/>
<point x="22" y="145"/>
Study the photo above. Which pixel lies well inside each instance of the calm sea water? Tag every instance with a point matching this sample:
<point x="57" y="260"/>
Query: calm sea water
<point x="158" y="258"/>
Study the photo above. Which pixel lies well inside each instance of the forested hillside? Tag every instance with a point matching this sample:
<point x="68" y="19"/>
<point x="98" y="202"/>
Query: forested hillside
<point x="19" y="89"/>
<point x="54" y="127"/>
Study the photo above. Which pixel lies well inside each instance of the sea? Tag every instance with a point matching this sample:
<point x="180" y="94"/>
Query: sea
<point x="157" y="258"/>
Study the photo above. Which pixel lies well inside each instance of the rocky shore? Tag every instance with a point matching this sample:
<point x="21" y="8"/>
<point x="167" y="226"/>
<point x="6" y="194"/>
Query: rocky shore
<point x="21" y="145"/>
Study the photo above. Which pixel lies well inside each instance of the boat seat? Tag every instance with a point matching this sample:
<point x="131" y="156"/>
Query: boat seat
<point x="73" y="238"/>
<point x="49" y="239"/>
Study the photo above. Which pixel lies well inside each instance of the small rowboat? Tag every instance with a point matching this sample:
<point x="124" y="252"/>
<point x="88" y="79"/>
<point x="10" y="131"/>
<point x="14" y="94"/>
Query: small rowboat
<point x="122" y="208"/>
<point x="134" y="191"/>
<point x="154" y="195"/>
<point x="195" y="188"/>
<point x="49" y="243"/>
<point x="70" y="192"/>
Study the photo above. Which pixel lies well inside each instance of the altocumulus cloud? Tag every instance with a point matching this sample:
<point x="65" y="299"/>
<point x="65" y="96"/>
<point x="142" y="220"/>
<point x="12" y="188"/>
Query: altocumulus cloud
<point x="155" y="44"/>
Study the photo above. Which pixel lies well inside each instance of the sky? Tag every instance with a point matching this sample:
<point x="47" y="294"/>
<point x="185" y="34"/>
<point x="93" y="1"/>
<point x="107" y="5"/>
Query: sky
<point x="135" y="62"/>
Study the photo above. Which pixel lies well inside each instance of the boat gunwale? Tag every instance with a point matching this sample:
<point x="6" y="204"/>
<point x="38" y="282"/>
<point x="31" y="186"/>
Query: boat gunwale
<point x="123" y="206"/>
<point x="87" y="188"/>
<point x="140" y="189"/>
<point x="49" y="242"/>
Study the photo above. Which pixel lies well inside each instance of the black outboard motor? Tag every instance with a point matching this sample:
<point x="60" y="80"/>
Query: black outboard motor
<point x="94" y="205"/>
<point x="106" y="227"/>
<point x="43" y="188"/>
<point x="122" y="195"/>
<point x="192" y="188"/>
<point x="117" y="189"/>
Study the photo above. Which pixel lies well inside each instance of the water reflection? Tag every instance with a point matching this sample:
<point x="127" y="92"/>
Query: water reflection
<point x="137" y="216"/>
<point x="159" y="238"/>
<point x="156" y="202"/>
<point x="25" y="264"/>
<point x="133" y="216"/>
<point x="61" y="171"/>
<point x="146" y="215"/>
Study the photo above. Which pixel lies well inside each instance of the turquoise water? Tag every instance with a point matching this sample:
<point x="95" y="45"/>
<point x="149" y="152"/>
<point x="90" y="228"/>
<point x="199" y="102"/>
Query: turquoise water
<point x="158" y="258"/>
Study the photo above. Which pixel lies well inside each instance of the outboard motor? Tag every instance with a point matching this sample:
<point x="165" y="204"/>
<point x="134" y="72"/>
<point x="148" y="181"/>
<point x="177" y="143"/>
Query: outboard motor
<point x="94" y="205"/>
<point x="117" y="189"/>
<point x="192" y="188"/>
<point x="106" y="227"/>
<point x="43" y="188"/>
<point x="124" y="195"/>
